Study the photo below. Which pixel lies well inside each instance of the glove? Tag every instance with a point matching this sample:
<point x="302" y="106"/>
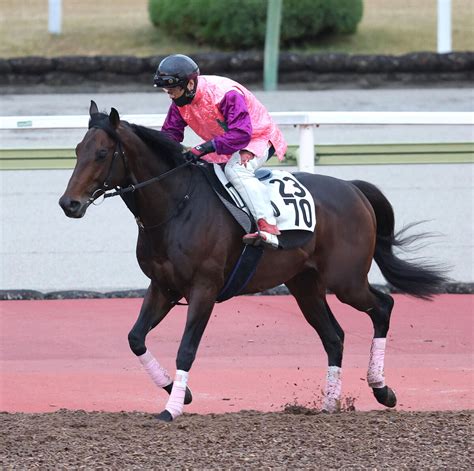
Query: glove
<point x="245" y="156"/>
<point x="194" y="154"/>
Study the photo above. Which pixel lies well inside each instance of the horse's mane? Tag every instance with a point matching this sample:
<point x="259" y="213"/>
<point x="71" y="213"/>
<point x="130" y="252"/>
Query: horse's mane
<point x="158" y="142"/>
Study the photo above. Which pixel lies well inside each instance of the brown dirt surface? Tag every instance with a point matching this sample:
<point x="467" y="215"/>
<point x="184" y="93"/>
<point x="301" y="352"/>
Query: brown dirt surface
<point x="294" y="438"/>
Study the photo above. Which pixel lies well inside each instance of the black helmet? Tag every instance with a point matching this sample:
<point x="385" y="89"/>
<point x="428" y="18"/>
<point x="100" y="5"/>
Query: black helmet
<point x="175" y="71"/>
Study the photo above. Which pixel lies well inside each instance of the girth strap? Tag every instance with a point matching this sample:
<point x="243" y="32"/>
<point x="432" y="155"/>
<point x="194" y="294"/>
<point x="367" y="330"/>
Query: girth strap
<point x="242" y="273"/>
<point x="240" y="276"/>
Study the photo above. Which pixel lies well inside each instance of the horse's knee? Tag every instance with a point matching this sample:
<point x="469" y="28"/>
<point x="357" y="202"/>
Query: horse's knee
<point x="136" y="342"/>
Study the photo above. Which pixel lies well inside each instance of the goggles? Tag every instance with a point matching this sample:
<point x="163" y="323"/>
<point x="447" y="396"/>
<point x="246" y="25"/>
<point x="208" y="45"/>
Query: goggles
<point x="167" y="81"/>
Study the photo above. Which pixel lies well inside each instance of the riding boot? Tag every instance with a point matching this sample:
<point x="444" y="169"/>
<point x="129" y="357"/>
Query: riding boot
<point x="256" y="197"/>
<point x="267" y="234"/>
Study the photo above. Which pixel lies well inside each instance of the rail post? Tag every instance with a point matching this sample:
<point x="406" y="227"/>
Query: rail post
<point x="444" y="26"/>
<point x="306" y="150"/>
<point x="54" y="16"/>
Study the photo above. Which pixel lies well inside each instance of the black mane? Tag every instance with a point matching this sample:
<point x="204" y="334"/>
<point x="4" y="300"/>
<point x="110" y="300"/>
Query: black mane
<point x="160" y="144"/>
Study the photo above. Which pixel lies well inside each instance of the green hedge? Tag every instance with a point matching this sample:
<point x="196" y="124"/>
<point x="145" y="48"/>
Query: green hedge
<point x="240" y="24"/>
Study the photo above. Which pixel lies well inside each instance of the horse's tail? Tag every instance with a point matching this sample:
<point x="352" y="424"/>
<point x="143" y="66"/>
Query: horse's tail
<point x="420" y="279"/>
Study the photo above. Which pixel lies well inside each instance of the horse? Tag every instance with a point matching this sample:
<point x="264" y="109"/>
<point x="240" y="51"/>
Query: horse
<point x="188" y="243"/>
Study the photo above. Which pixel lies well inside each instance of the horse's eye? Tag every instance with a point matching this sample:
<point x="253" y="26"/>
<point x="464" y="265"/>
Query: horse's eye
<point x="101" y="154"/>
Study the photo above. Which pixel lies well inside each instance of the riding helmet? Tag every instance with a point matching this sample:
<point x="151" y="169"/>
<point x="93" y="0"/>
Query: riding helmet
<point x="175" y="71"/>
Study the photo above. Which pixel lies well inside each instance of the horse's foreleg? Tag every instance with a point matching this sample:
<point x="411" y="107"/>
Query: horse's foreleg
<point x="154" y="309"/>
<point x="316" y="311"/>
<point x="201" y="304"/>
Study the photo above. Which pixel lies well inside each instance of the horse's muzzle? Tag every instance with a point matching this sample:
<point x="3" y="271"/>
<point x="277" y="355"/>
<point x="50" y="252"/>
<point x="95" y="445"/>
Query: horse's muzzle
<point x="72" y="208"/>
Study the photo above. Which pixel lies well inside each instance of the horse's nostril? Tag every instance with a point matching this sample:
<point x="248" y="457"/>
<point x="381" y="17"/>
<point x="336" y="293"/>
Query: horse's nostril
<point x="74" y="205"/>
<point x="70" y="207"/>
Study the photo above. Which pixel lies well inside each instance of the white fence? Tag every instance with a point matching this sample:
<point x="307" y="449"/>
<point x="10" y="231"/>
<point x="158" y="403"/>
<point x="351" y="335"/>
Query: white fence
<point x="306" y="122"/>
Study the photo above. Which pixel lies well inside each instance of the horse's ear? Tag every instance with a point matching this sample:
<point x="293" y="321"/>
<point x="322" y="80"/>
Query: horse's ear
<point x="93" y="108"/>
<point x="114" y="118"/>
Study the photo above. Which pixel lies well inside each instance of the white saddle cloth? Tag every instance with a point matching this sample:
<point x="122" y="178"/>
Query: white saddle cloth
<point x="293" y="205"/>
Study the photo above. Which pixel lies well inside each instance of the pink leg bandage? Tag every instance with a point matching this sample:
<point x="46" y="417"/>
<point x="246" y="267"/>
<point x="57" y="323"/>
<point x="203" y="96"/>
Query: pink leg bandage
<point x="332" y="394"/>
<point x="157" y="373"/>
<point x="175" y="404"/>
<point x="375" y="373"/>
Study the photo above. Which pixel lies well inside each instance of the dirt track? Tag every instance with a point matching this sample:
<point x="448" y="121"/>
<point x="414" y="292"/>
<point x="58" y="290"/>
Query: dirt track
<point x="296" y="438"/>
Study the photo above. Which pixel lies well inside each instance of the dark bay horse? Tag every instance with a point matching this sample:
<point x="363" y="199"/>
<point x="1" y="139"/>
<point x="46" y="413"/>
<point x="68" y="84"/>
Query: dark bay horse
<point x="188" y="243"/>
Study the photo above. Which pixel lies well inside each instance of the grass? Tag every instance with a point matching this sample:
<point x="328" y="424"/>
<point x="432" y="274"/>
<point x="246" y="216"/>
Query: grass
<point x="401" y="26"/>
<point x="92" y="27"/>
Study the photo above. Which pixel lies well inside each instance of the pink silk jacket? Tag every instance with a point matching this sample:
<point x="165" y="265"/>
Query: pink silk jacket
<point x="205" y="119"/>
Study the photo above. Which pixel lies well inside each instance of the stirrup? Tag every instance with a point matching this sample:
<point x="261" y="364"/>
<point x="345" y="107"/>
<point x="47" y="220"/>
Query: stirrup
<point x="259" y="238"/>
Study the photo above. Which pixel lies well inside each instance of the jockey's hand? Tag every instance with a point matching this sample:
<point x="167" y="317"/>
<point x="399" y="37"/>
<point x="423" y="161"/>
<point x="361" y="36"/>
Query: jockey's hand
<point x="245" y="156"/>
<point x="195" y="153"/>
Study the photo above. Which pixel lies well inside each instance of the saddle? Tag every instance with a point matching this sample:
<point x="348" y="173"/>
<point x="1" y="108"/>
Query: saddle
<point x="293" y="207"/>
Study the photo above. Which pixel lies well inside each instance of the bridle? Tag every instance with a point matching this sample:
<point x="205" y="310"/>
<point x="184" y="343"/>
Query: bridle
<point x="106" y="191"/>
<point x="105" y="188"/>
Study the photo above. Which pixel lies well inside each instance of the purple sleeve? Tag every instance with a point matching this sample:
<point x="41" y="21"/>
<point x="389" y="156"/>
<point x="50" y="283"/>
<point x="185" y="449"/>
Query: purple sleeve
<point x="239" y="127"/>
<point x="174" y="124"/>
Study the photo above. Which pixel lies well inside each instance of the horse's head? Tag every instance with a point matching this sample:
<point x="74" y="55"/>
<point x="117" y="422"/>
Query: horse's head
<point x="100" y="163"/>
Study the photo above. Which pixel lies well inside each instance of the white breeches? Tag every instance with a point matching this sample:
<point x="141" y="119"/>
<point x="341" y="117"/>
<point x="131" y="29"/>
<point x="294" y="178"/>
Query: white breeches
<point x="253" y="192"/>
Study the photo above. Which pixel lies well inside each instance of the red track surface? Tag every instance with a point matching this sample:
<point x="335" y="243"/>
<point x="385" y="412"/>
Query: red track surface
<point x="257" y="353"/>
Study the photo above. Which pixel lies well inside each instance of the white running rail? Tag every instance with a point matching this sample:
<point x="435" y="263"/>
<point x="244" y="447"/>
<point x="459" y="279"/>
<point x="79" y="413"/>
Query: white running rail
<point x="304" y="121"/>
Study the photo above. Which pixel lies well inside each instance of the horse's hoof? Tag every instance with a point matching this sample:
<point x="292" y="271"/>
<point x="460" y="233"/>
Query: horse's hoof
<point x="165" y="416"/>
<point x="331" y="405"/>
<point x="188" y="396"/>
<point x="385" y="396"/>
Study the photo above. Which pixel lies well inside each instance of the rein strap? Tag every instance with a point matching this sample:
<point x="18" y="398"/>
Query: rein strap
<point x="132" y="188"/>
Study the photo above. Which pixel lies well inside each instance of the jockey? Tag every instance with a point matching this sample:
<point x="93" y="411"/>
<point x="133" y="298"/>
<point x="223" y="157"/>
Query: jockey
<point x="236" y="128"/>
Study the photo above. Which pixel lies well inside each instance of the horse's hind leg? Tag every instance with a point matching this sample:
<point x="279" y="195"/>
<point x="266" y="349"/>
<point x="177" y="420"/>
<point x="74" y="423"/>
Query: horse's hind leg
<point x="312" y="302"/>
<point x="154" y="309"/>
<point x="380" y="316"/>
<point x="379" y="308"/>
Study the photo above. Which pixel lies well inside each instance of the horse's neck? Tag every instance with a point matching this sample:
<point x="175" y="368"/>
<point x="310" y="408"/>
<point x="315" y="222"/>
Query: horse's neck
<point x="154" y="201"/>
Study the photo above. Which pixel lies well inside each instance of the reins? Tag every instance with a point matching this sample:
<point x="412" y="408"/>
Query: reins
<point x="177" y="210"/>
<point x="132" y="187"/>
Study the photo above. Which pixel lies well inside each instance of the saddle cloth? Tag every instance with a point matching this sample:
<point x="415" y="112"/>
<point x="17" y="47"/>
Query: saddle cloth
<point x="294" y="210"/>
<point x="293" y="205"/>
